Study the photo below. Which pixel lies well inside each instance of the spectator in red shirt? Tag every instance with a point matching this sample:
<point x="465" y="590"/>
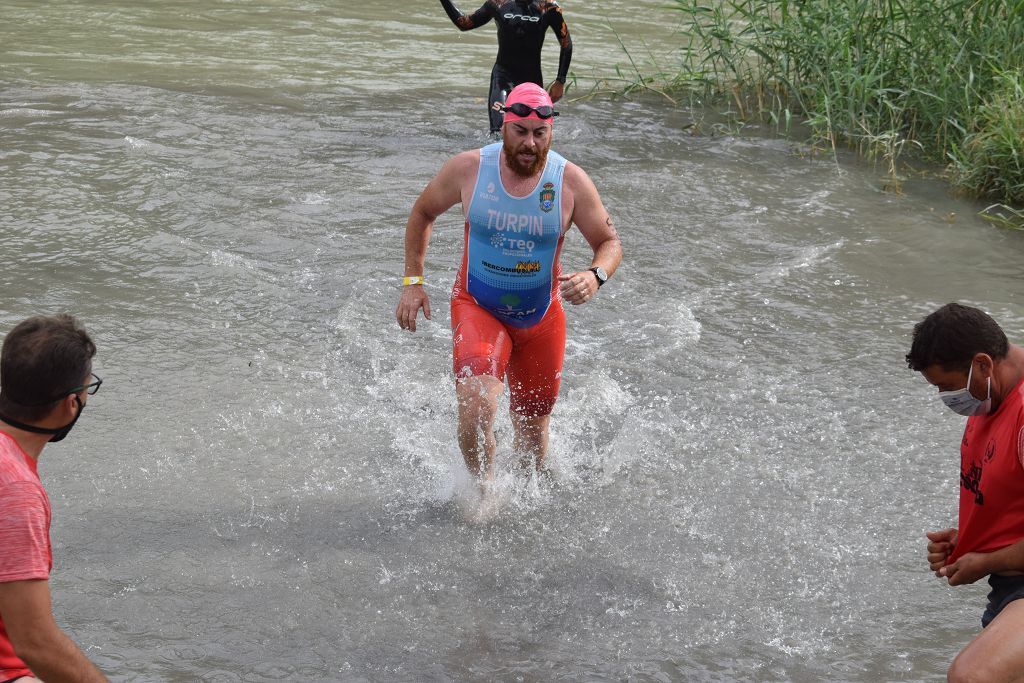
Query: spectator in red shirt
<point x="45" y="380"/>
<point x="964" y="353"/>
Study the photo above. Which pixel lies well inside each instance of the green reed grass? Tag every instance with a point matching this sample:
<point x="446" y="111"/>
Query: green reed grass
<point x="942" y="77"/>
<point x="991" y="156"/>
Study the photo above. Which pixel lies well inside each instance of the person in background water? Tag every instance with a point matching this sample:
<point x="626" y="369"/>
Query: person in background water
<point x="519" y="199"/>
<point x="45" y="380"/>
<point x="522" y="25"/>
<point x="965" y="354"/>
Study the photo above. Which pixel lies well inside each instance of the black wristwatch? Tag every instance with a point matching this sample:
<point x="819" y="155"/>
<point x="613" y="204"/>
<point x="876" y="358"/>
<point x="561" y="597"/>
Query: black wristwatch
<point x="602" y="277"/>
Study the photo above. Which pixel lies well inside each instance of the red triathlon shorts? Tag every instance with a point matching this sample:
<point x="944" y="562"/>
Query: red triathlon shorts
<point x="531" y="357"/>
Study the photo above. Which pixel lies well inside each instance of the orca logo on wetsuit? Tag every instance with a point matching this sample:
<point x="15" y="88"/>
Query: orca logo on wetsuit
<point x="522" y="17"/>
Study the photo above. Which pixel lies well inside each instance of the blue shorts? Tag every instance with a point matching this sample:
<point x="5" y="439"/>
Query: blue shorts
<point x="1005" y="589"/>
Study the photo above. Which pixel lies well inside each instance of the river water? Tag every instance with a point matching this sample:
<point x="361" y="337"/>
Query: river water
<point x="268" y="486"/>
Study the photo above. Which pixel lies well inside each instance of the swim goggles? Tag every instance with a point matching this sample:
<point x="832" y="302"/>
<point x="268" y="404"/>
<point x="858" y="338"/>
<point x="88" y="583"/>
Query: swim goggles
<point x="520" y="109"/>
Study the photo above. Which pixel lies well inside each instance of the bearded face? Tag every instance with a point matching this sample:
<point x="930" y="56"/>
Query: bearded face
<point x="526" y="154"/>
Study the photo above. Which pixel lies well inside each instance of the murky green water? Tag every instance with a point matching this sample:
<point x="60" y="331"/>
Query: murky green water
<point x="264" y="489"/>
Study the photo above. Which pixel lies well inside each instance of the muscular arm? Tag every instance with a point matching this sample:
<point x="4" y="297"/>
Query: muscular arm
<point x="593" y="220"/>
<point x="441" y="194"/>
<point x="588" y="213"/>
<point x="467" y="22"/>
<point x="37" y="640"/>
<point x="553" y="13"/>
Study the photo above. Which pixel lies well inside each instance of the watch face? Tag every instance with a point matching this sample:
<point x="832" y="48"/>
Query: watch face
<point x="601" y="275"/>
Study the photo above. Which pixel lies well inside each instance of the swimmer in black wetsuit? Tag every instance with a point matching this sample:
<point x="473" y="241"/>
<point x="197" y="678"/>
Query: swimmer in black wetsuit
<point x="521" y="28"/>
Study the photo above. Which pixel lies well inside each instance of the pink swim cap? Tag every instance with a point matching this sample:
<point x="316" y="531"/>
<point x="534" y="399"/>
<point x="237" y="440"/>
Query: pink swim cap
<point x="533" y="96"/>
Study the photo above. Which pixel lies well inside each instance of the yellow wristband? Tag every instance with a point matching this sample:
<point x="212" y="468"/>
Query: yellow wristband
<point x="414" y="280"/>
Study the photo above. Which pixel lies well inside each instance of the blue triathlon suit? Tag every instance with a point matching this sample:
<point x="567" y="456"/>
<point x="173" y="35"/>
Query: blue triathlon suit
<point x="507" y="317"/>
<point x="512" y="243"/>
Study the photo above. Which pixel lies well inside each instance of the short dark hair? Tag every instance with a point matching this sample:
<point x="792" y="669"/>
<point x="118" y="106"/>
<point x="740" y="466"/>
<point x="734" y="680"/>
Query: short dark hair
<point x="43" y="358"/>
<point x="951" y="337"/>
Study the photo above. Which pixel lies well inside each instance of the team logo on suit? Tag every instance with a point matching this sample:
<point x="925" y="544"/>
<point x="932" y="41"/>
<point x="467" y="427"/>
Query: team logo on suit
<point x="547" y="197"/>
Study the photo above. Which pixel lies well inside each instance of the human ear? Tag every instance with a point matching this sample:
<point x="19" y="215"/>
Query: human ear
<point x="70" y="405"/>
<point x="985" y="363"/>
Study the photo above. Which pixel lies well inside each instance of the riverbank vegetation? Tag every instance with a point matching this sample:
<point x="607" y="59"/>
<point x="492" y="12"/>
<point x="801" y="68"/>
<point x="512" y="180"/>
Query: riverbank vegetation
<point x="943" y="79"/>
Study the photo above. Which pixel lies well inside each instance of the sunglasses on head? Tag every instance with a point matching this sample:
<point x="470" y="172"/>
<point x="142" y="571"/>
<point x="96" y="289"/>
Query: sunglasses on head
<point x="520" y="109"/>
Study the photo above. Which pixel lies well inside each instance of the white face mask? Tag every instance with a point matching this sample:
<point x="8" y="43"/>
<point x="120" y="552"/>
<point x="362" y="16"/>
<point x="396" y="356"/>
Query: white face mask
<point x="963" y="402"/>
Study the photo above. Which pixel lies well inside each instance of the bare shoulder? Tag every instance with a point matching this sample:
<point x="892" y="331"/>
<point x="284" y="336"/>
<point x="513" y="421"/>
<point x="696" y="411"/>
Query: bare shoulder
<point x="461" y="167"/>
<point x="455" y="180"/>
<point x="448" y="186"/>
<point x="469" y="159"/>
<point x="584" y="205"/>
<point x="577" y="181"/>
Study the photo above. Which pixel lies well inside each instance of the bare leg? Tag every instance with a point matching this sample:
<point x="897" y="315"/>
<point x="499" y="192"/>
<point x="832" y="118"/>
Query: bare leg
<point x="478" y="405"/>
<point x="996" y="654"/>
<point x="531" y="439"/>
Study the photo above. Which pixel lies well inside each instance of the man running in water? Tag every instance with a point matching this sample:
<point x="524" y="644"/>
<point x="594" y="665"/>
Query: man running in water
<point x="521" y="28"/>
<point x="519" y="199"/>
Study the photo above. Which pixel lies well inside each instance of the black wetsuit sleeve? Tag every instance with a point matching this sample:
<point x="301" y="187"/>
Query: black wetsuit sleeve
<point x="558" y="25"/>
<point x="465" y="22"/>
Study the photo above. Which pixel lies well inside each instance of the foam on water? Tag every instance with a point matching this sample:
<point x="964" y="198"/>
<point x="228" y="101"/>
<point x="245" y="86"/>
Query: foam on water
<point x="26" y="112"/>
